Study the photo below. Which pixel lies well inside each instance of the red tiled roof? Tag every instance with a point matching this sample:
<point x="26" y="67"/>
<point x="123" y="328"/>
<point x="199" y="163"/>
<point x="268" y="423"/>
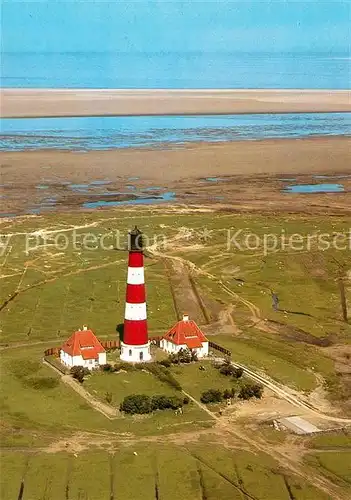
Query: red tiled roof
<point x="83" y="343"/>
<point x="186" y="332"/>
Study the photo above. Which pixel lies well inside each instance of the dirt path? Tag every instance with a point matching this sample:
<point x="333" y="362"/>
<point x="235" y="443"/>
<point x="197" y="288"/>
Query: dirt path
<point x="284" y="393"/>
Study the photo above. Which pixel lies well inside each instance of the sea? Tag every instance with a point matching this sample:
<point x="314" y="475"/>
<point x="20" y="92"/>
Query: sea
<point x="230" y="69"/>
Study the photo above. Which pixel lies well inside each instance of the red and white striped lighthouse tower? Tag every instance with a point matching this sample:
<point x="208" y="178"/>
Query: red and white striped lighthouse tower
<point x="135" y="346"/>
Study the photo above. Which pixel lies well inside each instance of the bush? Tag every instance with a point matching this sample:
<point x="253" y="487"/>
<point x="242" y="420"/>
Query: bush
<point x="165" y="402"/>
<point x="186" y="400"/>
<point x="238" y="372"/>
<point x="107" y="368"/>
<point x="183" y="356"/>
<point x="226" y="368"/>
<point x="228" y="393"/>
<point x="136" y="404"/>
<point x="211" y="396"/>
<point x="165" y="362"/>
<point x="176" y="402"/>
<point x="78" y="372"/>
<point x="249" y="391"/>
<point x="160" y="402"/>
<point x="123" y="365"/>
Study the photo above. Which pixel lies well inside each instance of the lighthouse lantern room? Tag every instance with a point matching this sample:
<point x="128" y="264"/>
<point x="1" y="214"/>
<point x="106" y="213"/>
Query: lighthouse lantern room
<point x="135" y="346"/>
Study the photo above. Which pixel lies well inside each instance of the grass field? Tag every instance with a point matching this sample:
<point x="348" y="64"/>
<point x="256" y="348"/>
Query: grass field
<point x="336" y="465"/>
<point x="158" y="471"/>
<point x="50" y="287"/>
<point x="34" y="398"/>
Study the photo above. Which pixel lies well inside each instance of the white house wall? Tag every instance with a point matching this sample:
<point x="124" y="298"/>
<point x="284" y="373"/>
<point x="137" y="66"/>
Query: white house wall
<point x="70" y="361"/>
<point x="102" y="358"/>
<point x="168" y="346"/>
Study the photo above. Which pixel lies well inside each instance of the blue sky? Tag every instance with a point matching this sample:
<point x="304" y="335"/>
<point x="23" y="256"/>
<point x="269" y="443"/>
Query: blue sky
<point x="129" y="26"/>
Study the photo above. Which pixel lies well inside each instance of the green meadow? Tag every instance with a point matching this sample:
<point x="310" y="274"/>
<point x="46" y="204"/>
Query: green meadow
<point x="55" y="279"/>
<point x="160" y="471"/>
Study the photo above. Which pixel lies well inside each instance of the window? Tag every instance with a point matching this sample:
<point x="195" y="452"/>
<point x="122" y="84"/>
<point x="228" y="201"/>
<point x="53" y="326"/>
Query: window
<point x="130" y="352"/>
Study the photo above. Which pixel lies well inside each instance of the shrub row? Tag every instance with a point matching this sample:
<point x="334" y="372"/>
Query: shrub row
<point x="141" y="403"/>
<point x="164" y="375"/>
<point x="247" y="391"/>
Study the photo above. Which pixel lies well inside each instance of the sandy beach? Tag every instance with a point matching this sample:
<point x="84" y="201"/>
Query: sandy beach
<point x="116" y="102"/>
<point x="252" y="174"/>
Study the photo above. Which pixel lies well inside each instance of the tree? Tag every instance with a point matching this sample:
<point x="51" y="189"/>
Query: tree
<point x="211" y="396"/>
<point x="136" y="404"/>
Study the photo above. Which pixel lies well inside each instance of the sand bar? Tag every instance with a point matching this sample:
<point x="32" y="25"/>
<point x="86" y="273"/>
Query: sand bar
<point x="125" y="102"/>
<point x="252" y="175"/>
<point x="270" y="156"/>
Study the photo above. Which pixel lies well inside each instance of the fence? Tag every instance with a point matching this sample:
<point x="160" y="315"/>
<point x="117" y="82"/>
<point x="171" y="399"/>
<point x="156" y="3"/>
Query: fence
<point x="221" y="349"/>
<point x="53" y="351"/>
<point x="110" y="344"/>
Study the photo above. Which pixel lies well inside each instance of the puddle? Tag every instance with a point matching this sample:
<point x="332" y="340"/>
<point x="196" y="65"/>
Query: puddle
<point x="213" y="179"/>
<point x="7" y="215"/>
<point x="314" y="188"/>
<point x="131" y="187"/>
<point x="49" y="201"/>
<point x="169" y="196"/>
<point x="287" y="179"/>
<point x="42" y="186"/>
<point x="133" y="178"/>
<point x="100" y="183"/>
<point x="153" y="188"/>
<point x="80" y="188"/>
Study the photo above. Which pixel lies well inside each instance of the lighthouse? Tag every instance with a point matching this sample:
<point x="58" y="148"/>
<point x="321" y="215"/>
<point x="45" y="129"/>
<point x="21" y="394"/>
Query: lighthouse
<point x="135" y="346"/>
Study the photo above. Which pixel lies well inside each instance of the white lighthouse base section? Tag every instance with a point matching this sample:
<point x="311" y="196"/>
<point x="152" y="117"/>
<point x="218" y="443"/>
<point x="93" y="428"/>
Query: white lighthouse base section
<point x="135" y="353"/>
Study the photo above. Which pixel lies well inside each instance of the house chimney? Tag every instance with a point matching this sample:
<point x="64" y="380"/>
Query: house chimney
<point x="185" y="317"/>
<point x="85" y="327"/>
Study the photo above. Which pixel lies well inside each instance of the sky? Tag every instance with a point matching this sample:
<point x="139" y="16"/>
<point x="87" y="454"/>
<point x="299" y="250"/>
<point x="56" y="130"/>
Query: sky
<point x="166" y="26"/>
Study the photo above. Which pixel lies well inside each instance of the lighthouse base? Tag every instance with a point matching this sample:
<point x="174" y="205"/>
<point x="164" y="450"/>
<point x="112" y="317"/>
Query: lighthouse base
<point x="135" y="353"/>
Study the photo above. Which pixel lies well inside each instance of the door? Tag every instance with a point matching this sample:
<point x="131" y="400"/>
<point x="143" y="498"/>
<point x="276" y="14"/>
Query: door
<point x="141" y="356"/>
